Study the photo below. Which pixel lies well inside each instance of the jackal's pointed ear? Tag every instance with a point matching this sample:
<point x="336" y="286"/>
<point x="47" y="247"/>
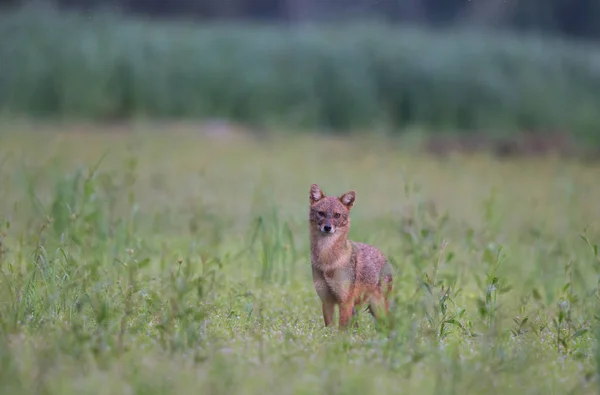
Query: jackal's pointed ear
<point x="348" y="199"/>
<point x="315" y="194"/>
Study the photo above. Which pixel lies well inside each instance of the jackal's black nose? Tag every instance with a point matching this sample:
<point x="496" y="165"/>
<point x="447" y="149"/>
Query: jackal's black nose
<point x="327" y="228"/>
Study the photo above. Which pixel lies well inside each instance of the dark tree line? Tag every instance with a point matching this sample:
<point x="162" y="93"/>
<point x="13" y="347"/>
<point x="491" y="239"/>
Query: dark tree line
<point x="579" y="18"/>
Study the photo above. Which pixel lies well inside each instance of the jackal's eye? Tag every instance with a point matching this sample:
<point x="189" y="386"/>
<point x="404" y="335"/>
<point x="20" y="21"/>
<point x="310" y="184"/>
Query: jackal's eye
<point x="337" y="215"/>
<point x="321" y="213"/>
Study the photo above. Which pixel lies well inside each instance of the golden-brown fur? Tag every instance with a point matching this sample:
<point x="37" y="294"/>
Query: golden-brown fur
<point x="345" y="273"/>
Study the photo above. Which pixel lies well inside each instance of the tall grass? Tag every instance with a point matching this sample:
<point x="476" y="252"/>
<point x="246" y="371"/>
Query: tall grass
<point x="152" y="264"/>
<point x="340" y="76"/>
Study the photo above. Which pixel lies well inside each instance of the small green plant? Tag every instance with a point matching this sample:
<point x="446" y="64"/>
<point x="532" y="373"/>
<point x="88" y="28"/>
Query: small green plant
<point x="440" y="317"/>
<point x="491" y="285"/>
<point x="273" y="242"/>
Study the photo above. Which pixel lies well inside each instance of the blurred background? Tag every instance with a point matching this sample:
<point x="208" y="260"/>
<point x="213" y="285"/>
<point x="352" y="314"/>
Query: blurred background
<point x="577" y="19"/>
<point x="515" y="76"/>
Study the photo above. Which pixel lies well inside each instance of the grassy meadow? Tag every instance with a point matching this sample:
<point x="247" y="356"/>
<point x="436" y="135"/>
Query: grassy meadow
<point x="135" y="261"/>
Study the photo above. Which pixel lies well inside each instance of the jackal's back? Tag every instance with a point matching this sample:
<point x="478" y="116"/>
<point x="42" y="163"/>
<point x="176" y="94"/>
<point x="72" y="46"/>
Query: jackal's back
<point x="371" y="265"/>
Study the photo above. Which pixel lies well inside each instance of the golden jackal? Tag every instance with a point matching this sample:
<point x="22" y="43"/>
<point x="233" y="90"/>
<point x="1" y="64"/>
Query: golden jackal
<point x="345" y="273"/>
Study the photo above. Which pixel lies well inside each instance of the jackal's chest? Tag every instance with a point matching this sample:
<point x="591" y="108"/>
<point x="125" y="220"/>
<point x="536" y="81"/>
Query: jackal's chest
<point x="334" y="283"/>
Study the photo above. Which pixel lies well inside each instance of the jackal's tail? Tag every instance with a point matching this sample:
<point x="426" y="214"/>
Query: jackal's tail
<point x="385" y="279"/>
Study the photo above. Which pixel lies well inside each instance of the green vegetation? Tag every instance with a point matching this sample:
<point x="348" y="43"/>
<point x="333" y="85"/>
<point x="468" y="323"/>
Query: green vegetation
<point x="148" y="264"/>
<point x="339" y="77"/>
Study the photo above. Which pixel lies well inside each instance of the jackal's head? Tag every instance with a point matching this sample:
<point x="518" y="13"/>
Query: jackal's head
<point x="330" y="214"/>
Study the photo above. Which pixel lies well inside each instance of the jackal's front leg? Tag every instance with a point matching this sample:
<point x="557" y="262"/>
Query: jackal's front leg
<point x="328" y="310"/>
<point x="346" y="313"/>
